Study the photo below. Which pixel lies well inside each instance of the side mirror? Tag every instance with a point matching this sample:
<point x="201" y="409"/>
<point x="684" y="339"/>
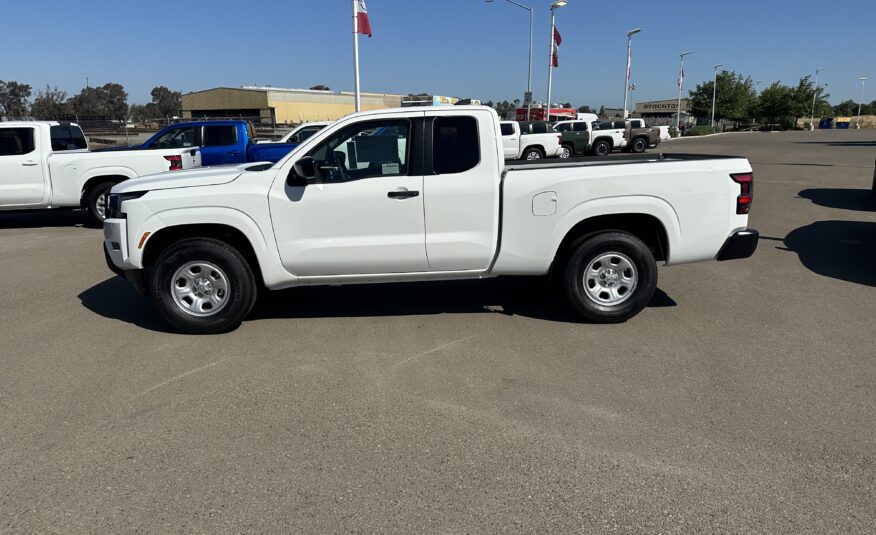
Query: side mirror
<point x="303" y="171"/>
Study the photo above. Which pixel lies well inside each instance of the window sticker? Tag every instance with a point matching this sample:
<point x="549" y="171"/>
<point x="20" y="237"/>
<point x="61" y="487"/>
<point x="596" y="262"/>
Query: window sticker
<point x="389" y="168"/>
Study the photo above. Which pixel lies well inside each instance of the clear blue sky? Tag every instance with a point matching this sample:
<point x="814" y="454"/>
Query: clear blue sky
<point x="466" y="48"/>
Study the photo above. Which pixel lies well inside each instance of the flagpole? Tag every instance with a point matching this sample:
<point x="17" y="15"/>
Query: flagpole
<point x="547" y="116"/>
<point x="358" y="98"/>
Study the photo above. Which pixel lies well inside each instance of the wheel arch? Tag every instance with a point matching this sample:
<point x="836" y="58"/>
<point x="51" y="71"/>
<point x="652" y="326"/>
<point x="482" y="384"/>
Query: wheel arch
<point x="648" y="227"/>
<point x="161" y="239"/>
<point x="225" y="224"/>
<point x="99" y="178"/>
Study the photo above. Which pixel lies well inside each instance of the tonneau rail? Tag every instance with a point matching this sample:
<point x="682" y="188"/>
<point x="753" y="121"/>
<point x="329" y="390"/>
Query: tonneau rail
<point x="578" y="161"/>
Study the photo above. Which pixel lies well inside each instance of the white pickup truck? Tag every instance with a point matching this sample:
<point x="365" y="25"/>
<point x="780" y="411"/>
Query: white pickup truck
<point x="299" y="133"/>
<point x="48" y="165"/>
<point x="531" y="144"/>
<point x="414" y="195"/>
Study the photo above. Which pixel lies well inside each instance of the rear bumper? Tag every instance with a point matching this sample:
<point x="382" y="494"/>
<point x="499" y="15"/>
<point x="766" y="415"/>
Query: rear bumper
<point x="741" y="244"/>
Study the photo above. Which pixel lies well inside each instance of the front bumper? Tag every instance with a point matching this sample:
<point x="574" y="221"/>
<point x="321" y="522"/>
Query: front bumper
<point x="134" y="276"/>
<point x="115" y="252"/>
<point x="740" y="244"/>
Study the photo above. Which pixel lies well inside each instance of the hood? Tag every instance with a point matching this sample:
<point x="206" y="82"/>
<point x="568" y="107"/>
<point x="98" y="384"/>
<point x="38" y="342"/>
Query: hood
<point x="202" y="176"/>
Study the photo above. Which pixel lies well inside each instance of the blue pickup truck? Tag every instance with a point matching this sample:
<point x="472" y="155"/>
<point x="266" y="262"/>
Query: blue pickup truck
<point x="221" y="142"/>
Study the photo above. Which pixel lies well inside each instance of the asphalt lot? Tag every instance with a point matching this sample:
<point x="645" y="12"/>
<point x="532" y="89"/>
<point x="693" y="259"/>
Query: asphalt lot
<point x="743" y="400"/>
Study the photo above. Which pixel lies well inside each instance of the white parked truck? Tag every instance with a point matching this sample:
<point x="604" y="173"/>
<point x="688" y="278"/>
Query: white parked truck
<point x="531" y="144"/>
<point x="48" y="165"/>
<point x="408" y="194"/>
<point x="300" y="132"/>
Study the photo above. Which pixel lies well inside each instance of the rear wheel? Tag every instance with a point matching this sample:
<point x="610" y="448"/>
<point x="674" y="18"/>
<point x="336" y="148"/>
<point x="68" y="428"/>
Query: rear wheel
<point x="533" y="154"/>
<point x="610" y="277"/>
<point x="639" y="145"/>
<point x="203" y="286"/>
<point x="601" y="148"/>
<point x="95" y="203"/>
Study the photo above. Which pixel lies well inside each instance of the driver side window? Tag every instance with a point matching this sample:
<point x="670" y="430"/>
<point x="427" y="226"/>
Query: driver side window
<point x="178" y="138"/>
<point x="363" y="150"/>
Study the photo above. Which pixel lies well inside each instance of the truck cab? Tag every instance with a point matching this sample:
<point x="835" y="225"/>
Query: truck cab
<point x="221" y="142"/>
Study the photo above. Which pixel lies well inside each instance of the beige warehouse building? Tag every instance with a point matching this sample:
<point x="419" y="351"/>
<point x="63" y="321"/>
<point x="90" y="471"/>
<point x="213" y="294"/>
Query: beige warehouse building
<point x="272" y="105"/>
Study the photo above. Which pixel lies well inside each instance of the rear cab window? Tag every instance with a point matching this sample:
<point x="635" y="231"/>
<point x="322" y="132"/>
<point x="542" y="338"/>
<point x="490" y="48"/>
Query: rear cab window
<point x="16" y="141"/>
<point x="67" y="137"/>
<point x="455" y="144"/>
<point x="580" y="127"/>
<point x="220" y="136"/>
<point x="507" y="129"/>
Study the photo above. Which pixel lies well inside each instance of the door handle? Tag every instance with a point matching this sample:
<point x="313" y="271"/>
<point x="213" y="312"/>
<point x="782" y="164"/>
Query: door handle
<point x="234" y="152"/>
<point x="29" y="164"/>
<point x="402" y="194"/>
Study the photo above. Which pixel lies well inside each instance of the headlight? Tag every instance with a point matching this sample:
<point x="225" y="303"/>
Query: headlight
<point x="114" y="203"/>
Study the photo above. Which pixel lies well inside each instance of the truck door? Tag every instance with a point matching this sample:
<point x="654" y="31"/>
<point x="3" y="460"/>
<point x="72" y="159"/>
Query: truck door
<point x="222" y="144"/>
<point x="363" y="211"/>
<point x="510" y="140"/>
<point x="461" y="188"/>
<point x="22" y="179"/>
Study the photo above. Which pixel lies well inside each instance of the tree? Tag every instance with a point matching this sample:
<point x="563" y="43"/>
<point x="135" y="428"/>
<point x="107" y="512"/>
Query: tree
<point x="114" y="101"/>
<point x="849" y="107"/>
<point x="776" y="104"/>
<point x="320" y="87"/>
<point x="50" y="104"/>
<point x="109" y="100"/>
<point x="734" y="98"/>
<point x="585" y="109"/>
<point x="138" y="112"/>
<point x="802" y="99"/>
<point x="165" y="103"/>
<point x="13" y="99"/>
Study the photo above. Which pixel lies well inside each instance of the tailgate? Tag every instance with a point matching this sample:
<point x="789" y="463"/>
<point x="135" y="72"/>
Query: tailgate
<point x="191" y="158"/>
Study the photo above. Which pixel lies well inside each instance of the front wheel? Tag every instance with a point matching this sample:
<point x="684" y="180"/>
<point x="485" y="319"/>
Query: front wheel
<point x="203" y="286"/>
<point x="532" y="154"/>
<point x="96" y="201"/>
<point x="565" y="153"/>
<point x="610" y="277"/>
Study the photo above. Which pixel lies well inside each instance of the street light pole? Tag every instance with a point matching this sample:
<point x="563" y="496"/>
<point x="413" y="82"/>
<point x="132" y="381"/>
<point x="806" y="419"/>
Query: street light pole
<point x="814" y="94"/>
<point x="630" y="35"/>
<point x="863" y="79"/>
<point x="714" y="93"/>
<point x="680" y="87"/>
<point x="554" y="6"/>
<point x="529" y="78"/>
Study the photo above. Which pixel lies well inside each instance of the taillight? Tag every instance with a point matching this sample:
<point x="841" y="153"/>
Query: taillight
<point x="746" y="191"/>
<point x="175" y="162"/>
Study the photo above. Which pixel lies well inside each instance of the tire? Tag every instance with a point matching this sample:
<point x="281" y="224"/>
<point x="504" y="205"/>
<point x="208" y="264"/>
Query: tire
<point x="601" y="148"/>
<point x="95" y="203"/>
<point x="565" y="152"/>
<point x="610" y="277"/>
<point x="639" y="145"/>
<point x="206" y="303"/>
<point x="533" y="154"/>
